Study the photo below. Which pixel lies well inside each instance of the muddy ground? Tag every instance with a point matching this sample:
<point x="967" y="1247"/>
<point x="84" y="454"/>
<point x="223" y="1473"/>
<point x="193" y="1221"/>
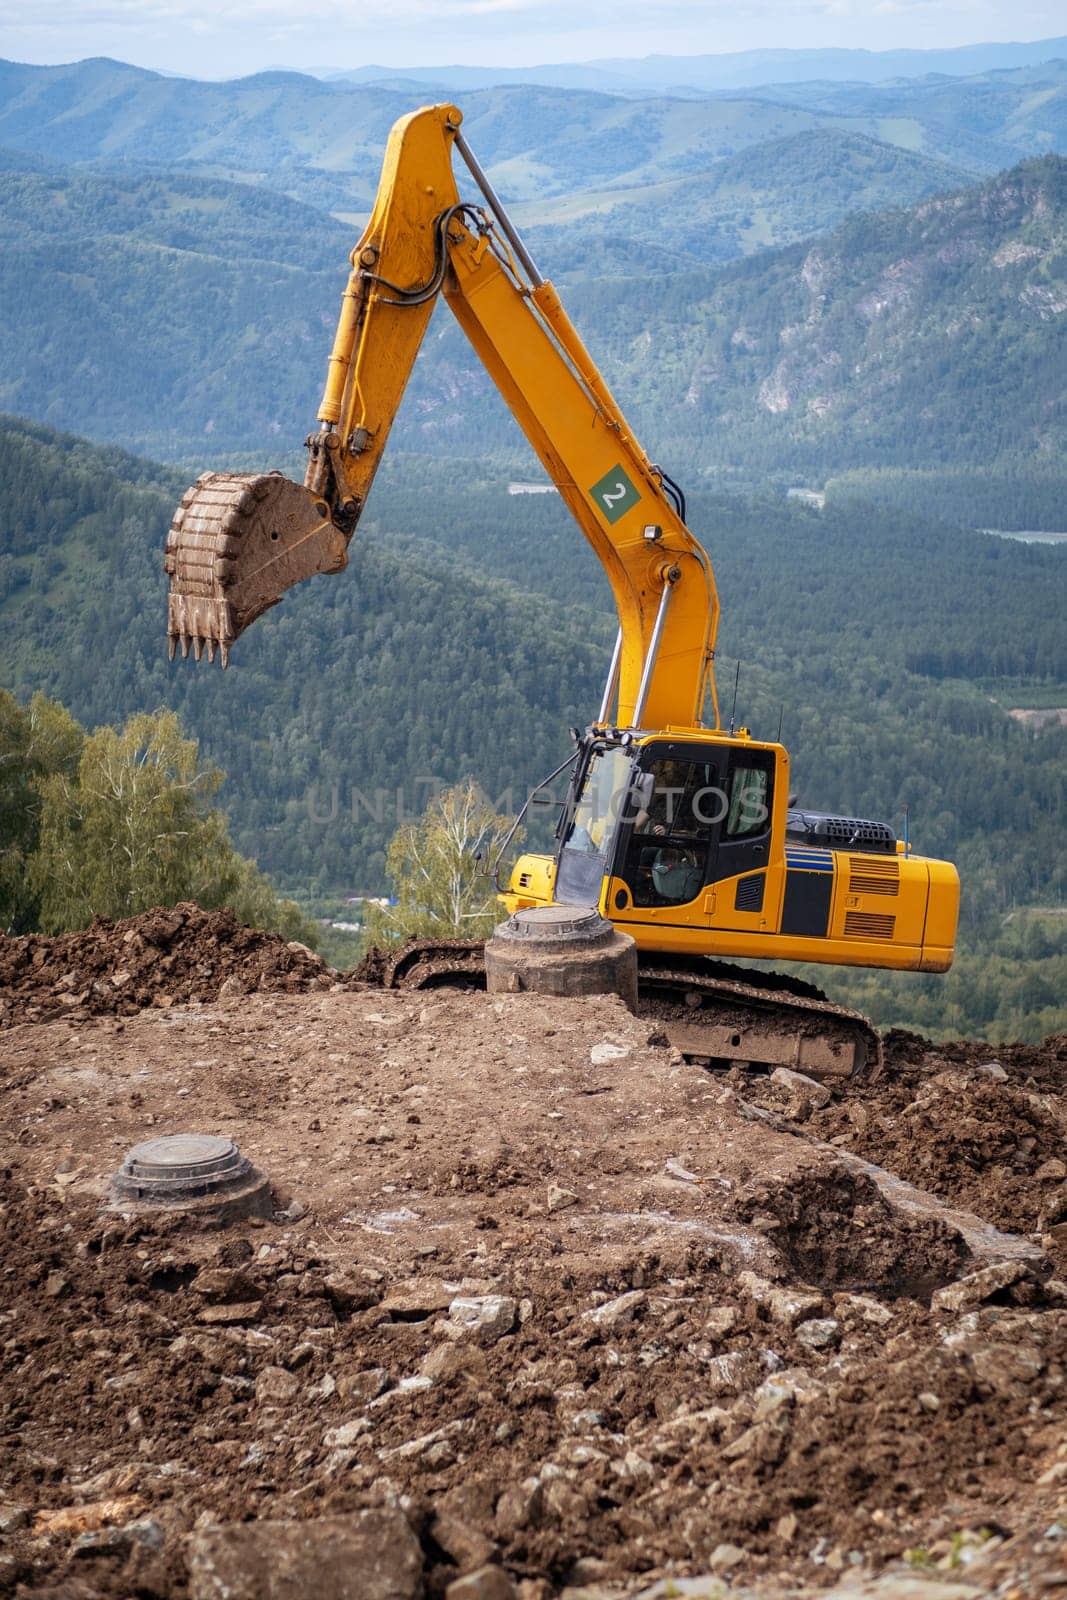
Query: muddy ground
<point x="581" y="1310"/>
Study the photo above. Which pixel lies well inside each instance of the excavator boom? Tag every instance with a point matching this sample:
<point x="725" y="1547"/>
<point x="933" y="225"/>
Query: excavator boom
<point x="238" y="542"/>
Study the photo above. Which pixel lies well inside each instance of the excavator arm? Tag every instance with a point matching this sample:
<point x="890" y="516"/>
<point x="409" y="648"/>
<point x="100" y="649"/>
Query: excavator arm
<point x="238" y="541"/>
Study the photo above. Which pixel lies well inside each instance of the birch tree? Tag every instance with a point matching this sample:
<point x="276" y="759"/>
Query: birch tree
<point x="440" y="887"/>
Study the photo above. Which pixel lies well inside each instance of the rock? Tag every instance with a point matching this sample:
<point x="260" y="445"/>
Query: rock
<point x="417" y="1299"/>
<point x="559" y="1199"/>
<point x="787" y="1306"/>
<point x="218" y="1285"/>
<point x="994" y="1070"/>
<point x="520" y="1506"/>
<point x="447" y="1361"/>
<point x="87" y="1518"/>
<point x="275" y="1386"/>
<point x="824" y="1333"/>
<point x="967" y="1293"/>
<point x="363" y="1386"/>
<point x="606" y="1051"/>
<point x="347" y="1434"/>
<point x="872" y="1311"/>
<point x="800" y="1087"/>
<point x="1051" y="1171"/>
<point x="230" y="1315"/>
<point x="370" y="1553"/>
<point x="764" y="1442"/>
<point x="618" y="1313"/>
<point x="771" y="1397"/>
<point x="720" y="1321"/>
<point x="348" y="1294"/>
<point x="487" y="1317"/>
<point x="459" y="1539"/>
<point x="119" y="1541"/>
<point x="727" y="1374"/>
<point x="1006" y="1366"/>
<point x="13" y="1516"/>
<point x="929" y="1401"/>
<point x="906" y="1585"/>
<point x="488" y="1583"/>
<point x="725" y="1556"/>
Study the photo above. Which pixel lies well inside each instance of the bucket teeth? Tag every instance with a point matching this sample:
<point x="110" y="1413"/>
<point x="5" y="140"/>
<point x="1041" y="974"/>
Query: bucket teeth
<point x="237" y="542"/>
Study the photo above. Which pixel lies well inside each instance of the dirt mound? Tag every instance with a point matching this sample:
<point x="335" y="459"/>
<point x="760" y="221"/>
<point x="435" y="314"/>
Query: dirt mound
<point x="164" y="957"/>
<point x="983" y="1126"/>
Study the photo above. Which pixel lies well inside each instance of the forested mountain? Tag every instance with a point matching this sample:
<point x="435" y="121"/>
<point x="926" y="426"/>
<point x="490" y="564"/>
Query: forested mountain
<point x="413" y="666"/>
<point x="922" y="338"/>
<point x="322" y="141"/>
<point x="770" y="194"/>
<point x="347" y="704"/>
<point x="344" y="707"/>
<point x="162" y="310"/>
<point x="198" y="325"/>
<point x="164" y="208"/>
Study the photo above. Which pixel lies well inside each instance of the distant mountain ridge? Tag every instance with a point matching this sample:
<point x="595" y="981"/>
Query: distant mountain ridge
<point x="322" y="142"/>
<point x="742" y="69"/>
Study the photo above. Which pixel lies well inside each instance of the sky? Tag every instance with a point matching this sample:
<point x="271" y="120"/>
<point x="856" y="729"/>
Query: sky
<point x="214" y="39"/>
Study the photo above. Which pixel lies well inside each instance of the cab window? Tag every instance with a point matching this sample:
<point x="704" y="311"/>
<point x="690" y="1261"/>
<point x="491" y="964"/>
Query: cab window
<point x="667" y="859"/>
<point x="748" y="812"/>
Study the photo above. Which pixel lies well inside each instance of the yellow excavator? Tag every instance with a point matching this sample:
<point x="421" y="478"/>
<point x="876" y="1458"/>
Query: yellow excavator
<point x="683" y="834"/>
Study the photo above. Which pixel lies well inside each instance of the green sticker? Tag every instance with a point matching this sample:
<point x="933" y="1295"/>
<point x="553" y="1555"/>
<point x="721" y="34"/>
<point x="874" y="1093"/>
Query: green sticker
<point x="614" y="495"/>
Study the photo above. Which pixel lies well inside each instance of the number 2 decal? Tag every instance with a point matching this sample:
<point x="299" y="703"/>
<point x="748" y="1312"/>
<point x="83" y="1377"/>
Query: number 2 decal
<point x="614" y="494"/>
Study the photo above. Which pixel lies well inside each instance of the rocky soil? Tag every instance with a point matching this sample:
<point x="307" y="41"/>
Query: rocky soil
<point x="543" y="1308"/>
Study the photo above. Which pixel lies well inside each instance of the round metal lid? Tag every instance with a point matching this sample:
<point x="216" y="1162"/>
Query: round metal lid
<point x="557" y="922"/>
<point x="182" y="1158"/>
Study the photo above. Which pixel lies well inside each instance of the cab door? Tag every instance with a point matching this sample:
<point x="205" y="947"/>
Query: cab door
<point x="747" y="888"/>
<point x="666" y="848"/>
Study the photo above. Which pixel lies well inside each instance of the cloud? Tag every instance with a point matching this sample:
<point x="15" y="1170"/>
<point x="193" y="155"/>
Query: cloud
<point x="230" y="37"/>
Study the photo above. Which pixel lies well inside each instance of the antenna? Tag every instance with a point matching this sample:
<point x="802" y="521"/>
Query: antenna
<point x="781" y="715"/>
<point x="907" y="818"/>
<point x="733" y="708"/>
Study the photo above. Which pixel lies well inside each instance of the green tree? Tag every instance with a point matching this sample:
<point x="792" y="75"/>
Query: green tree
<point x="437" y="869"/>
<point x="129" y="825"/>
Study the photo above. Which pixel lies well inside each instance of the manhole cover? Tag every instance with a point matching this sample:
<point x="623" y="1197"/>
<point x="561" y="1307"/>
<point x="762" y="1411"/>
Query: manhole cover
<point x="191" y="1171"/>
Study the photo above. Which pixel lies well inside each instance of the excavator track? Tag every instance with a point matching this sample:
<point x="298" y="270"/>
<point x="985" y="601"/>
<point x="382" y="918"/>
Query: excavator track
<point x="708" y="1010"/>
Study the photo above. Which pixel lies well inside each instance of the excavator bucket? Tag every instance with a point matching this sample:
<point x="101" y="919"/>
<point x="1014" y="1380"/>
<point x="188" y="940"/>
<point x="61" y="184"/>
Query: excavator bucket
<point x="237" y="542"/>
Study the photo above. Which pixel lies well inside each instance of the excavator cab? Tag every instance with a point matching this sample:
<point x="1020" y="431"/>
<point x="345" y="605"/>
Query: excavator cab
<point x="662" y="819"/>
<point x="688" y="841"/>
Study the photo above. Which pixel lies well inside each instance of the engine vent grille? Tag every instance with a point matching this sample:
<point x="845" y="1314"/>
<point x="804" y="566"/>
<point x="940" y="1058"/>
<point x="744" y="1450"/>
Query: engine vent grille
<point x="524" y="880"/>
<point x="873" y="877"/>
<point x="749" y="895"/>
<point x="868" y="925"/>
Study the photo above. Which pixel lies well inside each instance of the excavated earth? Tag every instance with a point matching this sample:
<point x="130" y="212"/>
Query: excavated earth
<point x="541" y="1302"/>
